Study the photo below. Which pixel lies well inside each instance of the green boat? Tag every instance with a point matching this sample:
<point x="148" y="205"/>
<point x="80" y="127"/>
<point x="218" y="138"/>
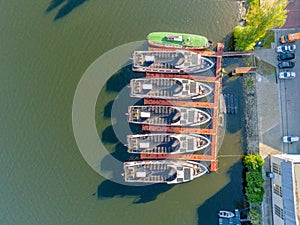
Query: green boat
<point x="178" y="40"/>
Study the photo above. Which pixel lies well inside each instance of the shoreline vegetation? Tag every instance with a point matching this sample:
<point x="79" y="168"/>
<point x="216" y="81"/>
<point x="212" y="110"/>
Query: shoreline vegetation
<point x="256" y="25"/>
<point x="254" y="182"/>
<point x="253" y="162"/>
<point x="261" y="17"/>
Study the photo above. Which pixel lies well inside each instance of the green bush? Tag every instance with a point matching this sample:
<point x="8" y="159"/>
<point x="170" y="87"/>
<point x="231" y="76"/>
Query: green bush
<point x="254" y="181"/>
<point x="250" y="82"/>
<point x="254" y="189"/>
<point x="255" y="216"/>
<point x="253" y="162"/>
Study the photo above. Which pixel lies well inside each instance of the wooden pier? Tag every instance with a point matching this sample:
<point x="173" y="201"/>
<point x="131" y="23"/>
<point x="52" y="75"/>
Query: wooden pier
<point x="193" y="77"/>
<point x="214" y="106"/>
<point x="209" y="53"/>
<point x="242" y="70"/>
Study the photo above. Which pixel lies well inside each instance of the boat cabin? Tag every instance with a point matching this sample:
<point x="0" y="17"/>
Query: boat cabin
<point x="174" y="38"/>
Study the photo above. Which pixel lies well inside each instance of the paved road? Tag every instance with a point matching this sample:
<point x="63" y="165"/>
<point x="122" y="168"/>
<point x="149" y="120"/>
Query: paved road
<point x="289" y="92"/>
<point x="278" y="108"/>
<point x="293" y="19"/>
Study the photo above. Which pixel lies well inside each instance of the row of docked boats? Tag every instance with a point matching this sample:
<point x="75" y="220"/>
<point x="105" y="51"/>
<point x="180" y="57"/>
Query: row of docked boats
<point x="179" y="61"/>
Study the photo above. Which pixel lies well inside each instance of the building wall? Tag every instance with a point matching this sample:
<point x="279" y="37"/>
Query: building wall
<point x="285" y="163"/>
<point x="276" y="181"/>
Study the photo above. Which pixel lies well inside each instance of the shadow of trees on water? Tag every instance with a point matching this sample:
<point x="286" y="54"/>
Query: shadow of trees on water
<point x="228" y="198"/>
<point x="67" y="7"/>
<point x="228" y="40"/>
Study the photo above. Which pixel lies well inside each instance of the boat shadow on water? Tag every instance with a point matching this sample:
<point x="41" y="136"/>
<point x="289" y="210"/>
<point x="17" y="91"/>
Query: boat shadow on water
<point x="110" y="189"/>
<point x="67" y="7"/>
<point x="114" y="137"/>
<point x="140" y="194"/>
<point x="121" y="78"/>
<point x="228" y="198"/>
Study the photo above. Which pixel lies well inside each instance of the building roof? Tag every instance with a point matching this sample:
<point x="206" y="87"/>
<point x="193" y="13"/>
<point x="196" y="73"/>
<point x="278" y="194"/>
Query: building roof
<point x="297" y="188"/>
<point x="288" y="197"/>
<point x="290" y="175"/>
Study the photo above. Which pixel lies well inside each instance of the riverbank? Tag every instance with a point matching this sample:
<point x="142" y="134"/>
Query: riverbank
<point x="242" y="10"/>
<point x="250" y="114"/>
<point x="262" y="116"/>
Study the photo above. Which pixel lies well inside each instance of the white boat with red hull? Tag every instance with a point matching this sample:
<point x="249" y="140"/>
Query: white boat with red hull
<point x="169" y="88"/>
<point x="166" y="143"/>
<point x="178" y="61"/>
<point x="162" y="171"/>
<point x="162" y="115"/>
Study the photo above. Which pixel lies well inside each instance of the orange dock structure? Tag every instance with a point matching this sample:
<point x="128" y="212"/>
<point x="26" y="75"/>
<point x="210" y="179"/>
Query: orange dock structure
<point x="214" y="106"/>
<point x="242" y="70"/>
<point x="209" y="53"/>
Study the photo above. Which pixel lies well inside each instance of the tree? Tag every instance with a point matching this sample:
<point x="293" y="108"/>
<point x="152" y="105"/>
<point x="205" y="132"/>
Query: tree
<point x="260" y="18"/>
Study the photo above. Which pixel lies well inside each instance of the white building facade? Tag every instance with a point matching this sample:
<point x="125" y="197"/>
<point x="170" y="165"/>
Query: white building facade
<point x="286" y="189"/>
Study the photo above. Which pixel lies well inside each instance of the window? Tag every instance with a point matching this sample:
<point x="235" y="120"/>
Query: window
<point x="278" y="211"/>
<point x="277" y="190"/>
<point x="276" y="168"/>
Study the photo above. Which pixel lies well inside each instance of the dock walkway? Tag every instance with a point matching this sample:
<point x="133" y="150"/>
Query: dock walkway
<point x="217" y="80"/>
<point x="242" y="70"/>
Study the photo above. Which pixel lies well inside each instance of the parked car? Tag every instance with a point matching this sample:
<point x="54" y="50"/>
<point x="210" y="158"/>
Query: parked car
<point x="285" y="56"/>
<point x="287" y="75"/>
<point x="290" y="139"/>
<point x="289" y="38"/>
<point x="285" y="48"/>
<point x="286" y="64"/>
<point x="292" y="48"/>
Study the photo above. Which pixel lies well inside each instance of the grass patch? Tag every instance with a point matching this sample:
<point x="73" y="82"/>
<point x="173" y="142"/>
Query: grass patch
<point x="250" y="82"/>
<point x="268" y="39"/>
<point x="265" y="68"/>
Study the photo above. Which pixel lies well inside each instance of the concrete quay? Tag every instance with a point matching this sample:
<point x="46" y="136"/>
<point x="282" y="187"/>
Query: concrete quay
<point x="278" y="113"/>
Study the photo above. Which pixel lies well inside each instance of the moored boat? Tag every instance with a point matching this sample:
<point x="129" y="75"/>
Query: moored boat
<point x="167" y="115"/>
<point x="178" y="40"/>
<point x="178" y="61"/>
<point x="162" y="171"/>
<point x="168" y="88"/>
<point x="225" y="214"/>
<point x="166" y="143"/>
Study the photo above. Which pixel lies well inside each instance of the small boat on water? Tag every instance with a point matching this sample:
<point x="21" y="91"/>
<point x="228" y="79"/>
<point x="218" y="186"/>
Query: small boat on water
<point x="168" y="88"/>
<point x="162" y="171"/>
<point x="167" y="115"/>
<point x="178" y="61"/>
<point x="178" y="40"/>
<point x="225" y="214"/>
<point x="166" y="143"/>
